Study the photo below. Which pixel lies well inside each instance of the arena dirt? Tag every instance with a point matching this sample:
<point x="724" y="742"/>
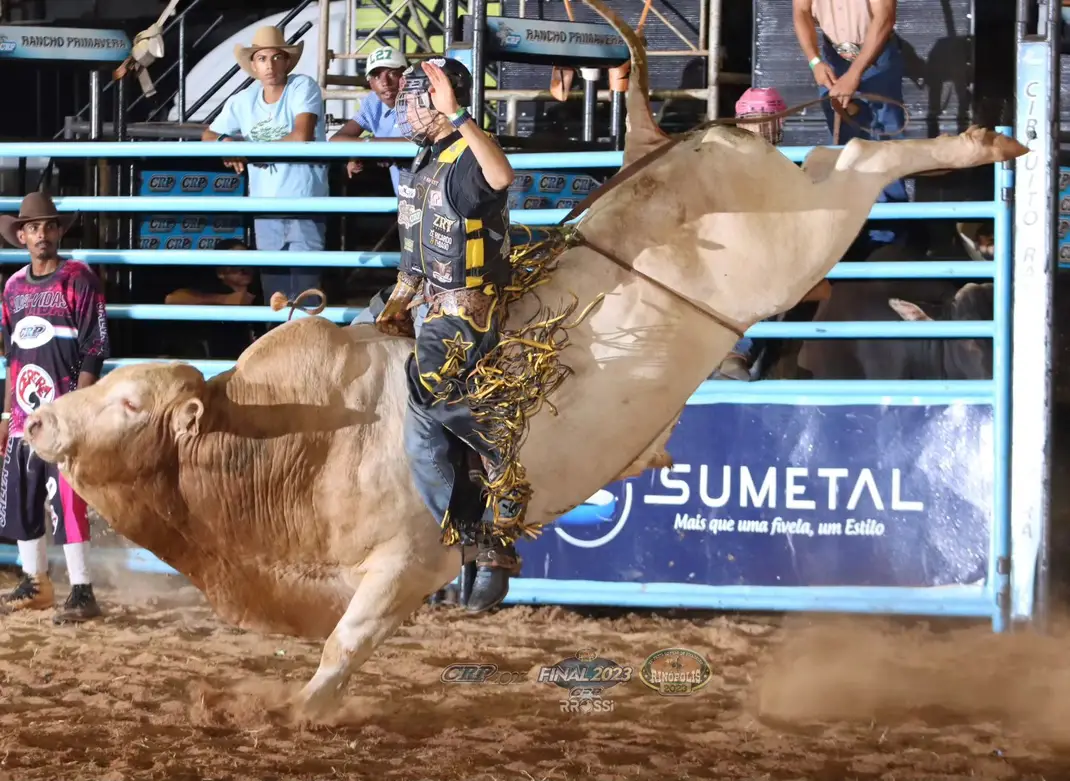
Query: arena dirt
<point x="162" y="690"/>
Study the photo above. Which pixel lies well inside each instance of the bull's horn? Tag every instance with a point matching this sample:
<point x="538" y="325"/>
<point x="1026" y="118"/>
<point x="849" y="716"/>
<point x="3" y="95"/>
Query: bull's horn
<point x="643" y="135"/>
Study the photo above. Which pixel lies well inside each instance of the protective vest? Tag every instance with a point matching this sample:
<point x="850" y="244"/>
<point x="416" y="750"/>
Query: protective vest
<point x="436" y="242"/>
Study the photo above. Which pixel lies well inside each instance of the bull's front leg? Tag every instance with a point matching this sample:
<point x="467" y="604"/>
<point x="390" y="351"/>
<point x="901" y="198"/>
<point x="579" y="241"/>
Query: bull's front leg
<point x="388" y="593"/>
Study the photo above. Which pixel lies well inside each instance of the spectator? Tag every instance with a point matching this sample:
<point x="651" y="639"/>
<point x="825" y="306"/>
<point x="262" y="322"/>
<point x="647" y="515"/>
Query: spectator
<point x="228" y="286"/>
<point x="377" y="115"/>
<point x="859" y="52"/>
<point x="278" y="107"/>
<point x="56" y="340"/>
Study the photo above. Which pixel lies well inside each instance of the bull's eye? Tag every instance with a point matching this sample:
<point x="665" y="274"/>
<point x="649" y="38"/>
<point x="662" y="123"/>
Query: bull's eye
<point x="130" y="406"/>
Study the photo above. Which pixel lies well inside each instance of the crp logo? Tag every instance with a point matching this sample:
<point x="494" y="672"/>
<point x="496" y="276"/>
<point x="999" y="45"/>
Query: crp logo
<point x="179" y="242"/>
<point x="33" y="388"/>
<point x="535" y="202"/>
<point x="551" y="183"/>
<point x="161" y="182"/>
<point x="194" y="183"/>
<point x="226" y="184"/>
<point x="583" y="184"/>
<point x="7" y="45"/>
<point x="193" y="224"/>
<point x="149" y="242"/>
<point x="225" y="224"/>
<point x="609" y="505"/>
<point x="522" y="183"/>
<point x="161" y="224"/>
<point x="206" y="242"/>
<point x="567" y="203"/>
<point x="32" y="332"/>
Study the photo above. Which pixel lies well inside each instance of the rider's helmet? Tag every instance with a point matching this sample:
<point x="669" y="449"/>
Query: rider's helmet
<point x="758" y="102"/>
<point x="416" y="114"/>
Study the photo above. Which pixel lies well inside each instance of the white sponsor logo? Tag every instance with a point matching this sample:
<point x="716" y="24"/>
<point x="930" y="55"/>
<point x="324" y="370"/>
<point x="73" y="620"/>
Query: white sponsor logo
<point x="406" y="192"/>
<point x="33" y="388"/>
<point x="32" y="331"/>
<point x="408" y="216"/>
<point x="444" y="223"/>
<point x="435" y="198"/>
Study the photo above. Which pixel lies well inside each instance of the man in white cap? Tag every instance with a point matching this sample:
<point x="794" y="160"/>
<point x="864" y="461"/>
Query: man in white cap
<point x="278" y="106"/>
<point x="377" y="116"/>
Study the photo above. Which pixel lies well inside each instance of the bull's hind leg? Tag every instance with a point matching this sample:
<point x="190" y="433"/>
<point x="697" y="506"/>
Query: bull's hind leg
<point x="893" y="159"/>
<point x="388" y="593"/>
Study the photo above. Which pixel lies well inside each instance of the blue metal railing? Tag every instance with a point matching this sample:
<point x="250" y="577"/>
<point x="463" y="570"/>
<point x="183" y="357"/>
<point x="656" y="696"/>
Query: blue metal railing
<point x="963" y="600"/>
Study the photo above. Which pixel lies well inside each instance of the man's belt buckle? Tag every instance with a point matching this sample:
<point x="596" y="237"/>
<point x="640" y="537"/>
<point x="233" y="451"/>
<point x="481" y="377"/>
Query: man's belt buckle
<point x="849" y="51"/>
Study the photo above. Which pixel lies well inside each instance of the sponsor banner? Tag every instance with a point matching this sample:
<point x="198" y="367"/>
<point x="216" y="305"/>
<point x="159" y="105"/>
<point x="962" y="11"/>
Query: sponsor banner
<point x="63" y="43"/>
<point x="549" y="190"/>
<point x="194" y="231"/>
<point x="549" y="42"/>
<point x="778" y="495"/>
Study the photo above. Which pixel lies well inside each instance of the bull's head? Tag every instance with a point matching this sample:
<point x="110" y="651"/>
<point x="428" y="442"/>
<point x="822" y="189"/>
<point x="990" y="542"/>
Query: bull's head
<point x="125" y="426"/>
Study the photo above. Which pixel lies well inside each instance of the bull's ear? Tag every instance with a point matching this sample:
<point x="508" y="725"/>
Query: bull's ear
<point x="907" y="310"/>
<point x="186" y="421"/>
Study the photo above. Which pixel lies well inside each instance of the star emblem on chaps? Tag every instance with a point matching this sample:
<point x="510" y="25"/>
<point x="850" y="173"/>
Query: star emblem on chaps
<point x="456" y="353"/>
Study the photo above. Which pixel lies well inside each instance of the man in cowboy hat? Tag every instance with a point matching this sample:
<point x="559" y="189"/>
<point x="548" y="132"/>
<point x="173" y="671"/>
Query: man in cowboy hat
<point x="279" y="106"/>
<point x="377" y="115"/>
<point x="56" y="340"/>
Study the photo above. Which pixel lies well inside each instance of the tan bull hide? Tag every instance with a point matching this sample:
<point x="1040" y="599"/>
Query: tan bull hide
<point x="281" y="488"/>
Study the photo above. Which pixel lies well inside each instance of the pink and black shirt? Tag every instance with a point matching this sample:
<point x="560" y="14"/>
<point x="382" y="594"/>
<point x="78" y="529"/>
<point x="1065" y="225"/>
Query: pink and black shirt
<point x="54" y="327"/>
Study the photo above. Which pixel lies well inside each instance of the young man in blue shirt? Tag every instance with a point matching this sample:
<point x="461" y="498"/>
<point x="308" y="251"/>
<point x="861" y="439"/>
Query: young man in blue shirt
<point x="278" y="107"/>
<point x="377" y="115"/>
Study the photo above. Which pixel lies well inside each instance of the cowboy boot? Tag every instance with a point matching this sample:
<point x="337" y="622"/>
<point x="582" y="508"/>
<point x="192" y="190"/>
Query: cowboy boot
<point x="496" y="562"/>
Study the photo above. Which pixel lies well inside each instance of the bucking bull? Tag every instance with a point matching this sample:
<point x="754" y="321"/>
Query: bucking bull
<point x="280" y="488"/>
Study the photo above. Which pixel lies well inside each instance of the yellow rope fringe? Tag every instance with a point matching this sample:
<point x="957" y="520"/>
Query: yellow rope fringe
<point x="513" y="380"/>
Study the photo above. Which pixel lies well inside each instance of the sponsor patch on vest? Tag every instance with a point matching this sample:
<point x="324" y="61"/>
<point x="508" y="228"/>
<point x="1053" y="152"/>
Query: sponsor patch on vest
<point x="406" y="192"/>
<point x="435" y="198"/>
<point x="408" y="215"/>
<point x="408" y="245"/>
<point x="443" y="272"/>
<point x="440" y="240"/>
<point x="443" y="223"/>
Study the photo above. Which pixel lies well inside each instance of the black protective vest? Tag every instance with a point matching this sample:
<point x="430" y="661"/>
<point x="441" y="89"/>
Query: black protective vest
<point x="438" y="244"/>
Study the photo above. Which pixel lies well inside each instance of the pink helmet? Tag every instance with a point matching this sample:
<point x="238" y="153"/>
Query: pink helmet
<point x="760" y="100"/>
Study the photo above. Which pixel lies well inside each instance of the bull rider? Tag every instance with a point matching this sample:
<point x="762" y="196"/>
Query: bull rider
<point x="453" y="222"/>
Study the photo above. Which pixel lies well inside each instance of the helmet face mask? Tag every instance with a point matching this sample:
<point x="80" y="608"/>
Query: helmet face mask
<point x="416" y="113"/>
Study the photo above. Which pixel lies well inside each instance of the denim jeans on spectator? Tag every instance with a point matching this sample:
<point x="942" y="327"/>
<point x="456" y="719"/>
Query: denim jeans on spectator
<point x="883" y="77"/>
<point x="291" y="236"/>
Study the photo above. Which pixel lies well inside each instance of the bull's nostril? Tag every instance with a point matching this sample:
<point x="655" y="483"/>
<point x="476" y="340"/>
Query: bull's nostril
<point x="32" y="426"/>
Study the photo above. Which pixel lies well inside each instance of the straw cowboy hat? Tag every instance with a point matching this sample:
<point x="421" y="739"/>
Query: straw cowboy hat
<point x="34" y="207"/>
<point x="267" y="38"/>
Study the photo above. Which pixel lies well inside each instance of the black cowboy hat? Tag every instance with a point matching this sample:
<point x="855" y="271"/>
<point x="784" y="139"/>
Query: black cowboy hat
<point x="34" y="207"/>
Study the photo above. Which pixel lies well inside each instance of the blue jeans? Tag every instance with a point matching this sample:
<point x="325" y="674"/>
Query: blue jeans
<point x="290" y="236"/>
<point x="883" y="77"/>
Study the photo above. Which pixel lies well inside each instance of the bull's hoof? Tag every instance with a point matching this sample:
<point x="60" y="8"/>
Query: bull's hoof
<point x="315" y="704"/>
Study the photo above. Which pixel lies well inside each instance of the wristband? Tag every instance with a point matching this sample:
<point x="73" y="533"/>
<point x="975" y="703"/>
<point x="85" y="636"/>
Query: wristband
<point x="223" y="136"/>
<point x="5" y="416"/>
<point x="814" y="62"/>
<point x="460" y="117"/>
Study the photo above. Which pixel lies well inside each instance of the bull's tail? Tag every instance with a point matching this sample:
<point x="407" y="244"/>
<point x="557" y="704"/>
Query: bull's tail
<point x="280" y="302"/>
